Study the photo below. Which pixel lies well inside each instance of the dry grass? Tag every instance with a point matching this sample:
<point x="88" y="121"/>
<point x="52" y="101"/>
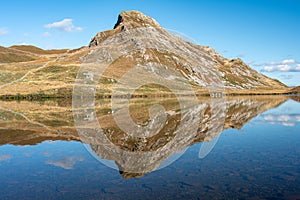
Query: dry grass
<point x="36" y="50"/>
<point x="11" y="55"/>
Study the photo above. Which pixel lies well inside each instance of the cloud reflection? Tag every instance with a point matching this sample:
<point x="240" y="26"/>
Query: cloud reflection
<point x="284" y="119"/>
<point x="5" y="157"/>
<point x="66" y="162"/>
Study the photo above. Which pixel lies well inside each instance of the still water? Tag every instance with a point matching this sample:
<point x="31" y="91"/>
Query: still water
<point x="241" y="148"/>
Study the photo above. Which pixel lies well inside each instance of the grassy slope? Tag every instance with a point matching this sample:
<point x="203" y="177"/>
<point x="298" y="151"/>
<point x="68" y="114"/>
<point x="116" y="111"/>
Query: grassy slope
<point x="56" y="79"/>
<point x="296" y="90"/>
<point x="36" y="50"/>
<point x="8" y="55"/>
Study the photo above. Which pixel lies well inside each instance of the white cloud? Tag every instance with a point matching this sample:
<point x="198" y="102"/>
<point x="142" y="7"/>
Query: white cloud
<point x="281" y="68"/>
<point x="288" y="65"/>
<point x="66" y="162"/>
<point x="288" y="124"/>
<point x="64" y="25"/>
<point x="297" y="118"/>
<point x="290" y="61"/>
<point x="3" y="31"/>
<point x="46" y="35"/>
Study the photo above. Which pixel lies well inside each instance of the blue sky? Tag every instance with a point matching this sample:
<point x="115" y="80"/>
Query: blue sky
<point x="264" y="33"/>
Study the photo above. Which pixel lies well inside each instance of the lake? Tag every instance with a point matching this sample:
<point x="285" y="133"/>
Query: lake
<point x="229" y="148"/>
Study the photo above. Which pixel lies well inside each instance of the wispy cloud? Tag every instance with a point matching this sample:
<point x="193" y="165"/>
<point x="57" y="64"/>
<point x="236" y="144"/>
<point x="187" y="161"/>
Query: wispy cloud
<point x="3" y="31"/>
<point x="23" y="43"/>
<point x="286" y="77"/>
<point x="251" y="62"/>
<point x="241" y="55"/>
<point x="64" y="25"/>
<point x="289" y="61"/>
<point x="47" y="153"/>
<point x="282" y="68"/>
<point x="283" y="62"/>
<point x="66" y="162"/>
<point x="5" y="157"/>
<point x="284" y="120"/>
<point x="288" y="65"/>
<point x="46" y="35"/>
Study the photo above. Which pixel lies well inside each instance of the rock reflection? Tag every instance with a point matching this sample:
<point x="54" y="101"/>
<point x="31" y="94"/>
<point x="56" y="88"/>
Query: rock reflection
<point x="136" y="156"/>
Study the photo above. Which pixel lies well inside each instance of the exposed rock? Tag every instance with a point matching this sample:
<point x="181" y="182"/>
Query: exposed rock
<point x="134" y="19"/>
<point x="126" y="21"/>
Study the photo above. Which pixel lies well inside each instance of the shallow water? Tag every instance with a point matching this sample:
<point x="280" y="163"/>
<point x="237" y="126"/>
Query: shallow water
<point x="255" y="155"/>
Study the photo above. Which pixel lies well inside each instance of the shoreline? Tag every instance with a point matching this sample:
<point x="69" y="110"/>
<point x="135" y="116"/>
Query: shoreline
<point x="33" y="97"/>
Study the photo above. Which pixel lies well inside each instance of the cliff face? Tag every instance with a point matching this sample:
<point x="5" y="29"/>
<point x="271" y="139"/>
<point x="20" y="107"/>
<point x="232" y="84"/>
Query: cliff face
<point x="198" y="64"/>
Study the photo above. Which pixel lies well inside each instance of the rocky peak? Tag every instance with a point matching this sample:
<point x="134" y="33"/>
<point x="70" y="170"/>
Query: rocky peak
<point x="134" y="19"/>
<point x="200" y="65"/>
<point x="126" y="20"/>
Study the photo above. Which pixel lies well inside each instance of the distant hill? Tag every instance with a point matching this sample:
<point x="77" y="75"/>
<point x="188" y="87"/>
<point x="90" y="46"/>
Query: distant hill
<point x="25" y="53"/>
<point x="36" y="50"/>
<point x="295" y="90"/>
<point x="9" y="55"/>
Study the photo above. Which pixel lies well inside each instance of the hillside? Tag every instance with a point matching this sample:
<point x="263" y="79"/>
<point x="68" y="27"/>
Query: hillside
<point x="143" y="45"/>
<point x="8" y="55"/>
<point x="296" y="90"/>
<point x="36" y="50"/>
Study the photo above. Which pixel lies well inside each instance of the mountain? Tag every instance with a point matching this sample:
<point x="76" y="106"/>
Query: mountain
<point x="199" y="64"/>
<point x="31" y="72"/>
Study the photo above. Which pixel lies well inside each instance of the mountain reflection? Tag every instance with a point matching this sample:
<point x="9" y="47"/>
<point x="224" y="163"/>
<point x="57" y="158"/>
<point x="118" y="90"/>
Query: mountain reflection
<point x="138" y="149"/>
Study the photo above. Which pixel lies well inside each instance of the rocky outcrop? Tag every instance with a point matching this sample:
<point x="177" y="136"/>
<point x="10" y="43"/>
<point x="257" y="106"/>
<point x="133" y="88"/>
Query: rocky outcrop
<point x="126" y="21"/>
<point x="134" y="19"/>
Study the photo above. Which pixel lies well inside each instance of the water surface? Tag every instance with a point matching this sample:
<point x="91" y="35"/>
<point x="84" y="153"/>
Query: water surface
<point x="252" y="151"/>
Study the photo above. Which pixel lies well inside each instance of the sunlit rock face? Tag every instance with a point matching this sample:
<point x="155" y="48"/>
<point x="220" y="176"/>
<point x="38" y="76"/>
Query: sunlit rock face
<point x="201" y="65"/>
